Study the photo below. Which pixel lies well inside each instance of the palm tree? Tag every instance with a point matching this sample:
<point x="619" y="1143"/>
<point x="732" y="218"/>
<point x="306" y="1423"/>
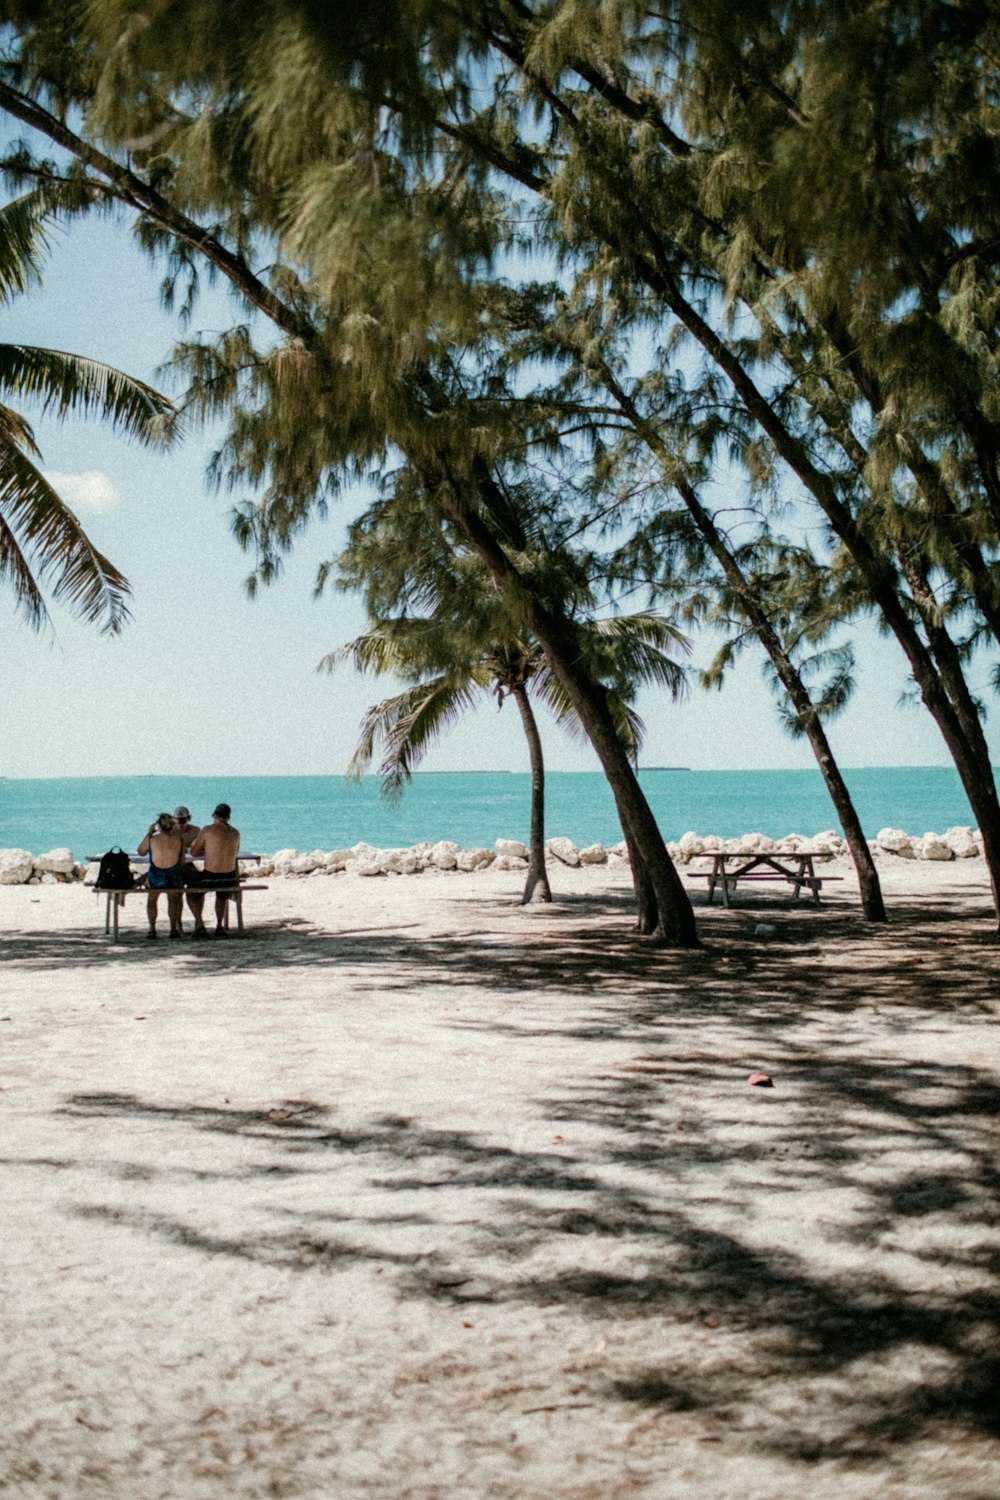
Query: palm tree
<point x="42" y="543"/>
<point x="450" y="660"/>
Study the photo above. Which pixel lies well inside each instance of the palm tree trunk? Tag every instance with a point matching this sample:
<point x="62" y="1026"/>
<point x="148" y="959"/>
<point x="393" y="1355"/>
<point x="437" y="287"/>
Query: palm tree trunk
<point x="537" y="875"/>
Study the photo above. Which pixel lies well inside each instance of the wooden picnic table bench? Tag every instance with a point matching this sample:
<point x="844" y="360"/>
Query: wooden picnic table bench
<point x="796" y="867"/>
<point x="115" y="901"/>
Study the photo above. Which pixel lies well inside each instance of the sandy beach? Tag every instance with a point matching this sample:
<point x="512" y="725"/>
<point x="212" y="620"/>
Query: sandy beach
<point x="413" y="1193"/>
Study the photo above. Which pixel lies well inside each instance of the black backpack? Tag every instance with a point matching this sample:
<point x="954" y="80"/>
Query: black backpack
<point x="115" y="874"/>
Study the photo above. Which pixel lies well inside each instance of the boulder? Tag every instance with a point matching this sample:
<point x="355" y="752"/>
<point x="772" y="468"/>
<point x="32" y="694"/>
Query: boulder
<point x="401" y="862"/>
<point x="55" y="862"/>
<point x="594" y="854"/>
<point x="895" y="841"/>
<point x="475" y="859"/>
<point x="363" y="851"/>
<point x="16" y="866"/>
<point x="618" y="851"/>
<point x="302" y="864"/>
<point x="933" y="847"/>
<point x="444" y="855"/>
<point x="367" y="867"/>
<point x="512" y="848"/>
<point x="564" y="850"/>
<point x="338" y="859"/>
<point x="962" y="843"/>
<point x="690" y="843"/>
<point x="509" y="862"/>
<point x="281" y="863"/>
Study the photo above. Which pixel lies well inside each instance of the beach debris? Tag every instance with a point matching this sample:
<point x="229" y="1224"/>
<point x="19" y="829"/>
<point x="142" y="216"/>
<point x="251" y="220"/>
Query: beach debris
<point x="764" y="929"/>
<point x="760" y="1081"/>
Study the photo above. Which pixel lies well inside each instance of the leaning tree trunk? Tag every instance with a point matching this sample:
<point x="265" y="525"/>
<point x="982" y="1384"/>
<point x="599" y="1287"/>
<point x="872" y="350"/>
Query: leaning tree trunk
<point x="670" y="918"/>
<point x="537" y="878"/>
<point x="869" y="885"/>
<point x="645" y="896"/>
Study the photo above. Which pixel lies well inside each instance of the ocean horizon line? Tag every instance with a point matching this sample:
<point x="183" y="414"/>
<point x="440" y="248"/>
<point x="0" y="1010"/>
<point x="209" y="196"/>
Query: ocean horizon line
<point x="468" y="771"/>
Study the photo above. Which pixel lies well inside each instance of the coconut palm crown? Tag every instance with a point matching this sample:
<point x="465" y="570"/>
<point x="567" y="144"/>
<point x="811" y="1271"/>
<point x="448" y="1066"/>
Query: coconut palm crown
<point x="467" y="644"/>
<point x="43" y="546"/>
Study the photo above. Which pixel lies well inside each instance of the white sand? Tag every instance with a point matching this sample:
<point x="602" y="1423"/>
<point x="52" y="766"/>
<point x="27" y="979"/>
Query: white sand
<point x="416" y="1193"/>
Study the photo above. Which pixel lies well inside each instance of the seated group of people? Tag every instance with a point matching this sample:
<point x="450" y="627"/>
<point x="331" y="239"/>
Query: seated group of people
<point x="173" y="843"/>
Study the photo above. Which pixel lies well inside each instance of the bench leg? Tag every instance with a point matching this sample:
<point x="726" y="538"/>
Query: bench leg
<point x="119" y="902"/>
<point x="238" y="898"/>
<point x="107" y="913"/>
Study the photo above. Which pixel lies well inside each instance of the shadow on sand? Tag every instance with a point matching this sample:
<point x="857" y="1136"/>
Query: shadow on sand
<point x="613" y="1229"/>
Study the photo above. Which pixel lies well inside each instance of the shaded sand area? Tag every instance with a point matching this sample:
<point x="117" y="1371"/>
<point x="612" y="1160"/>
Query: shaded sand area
<point x="414" y="1193"/>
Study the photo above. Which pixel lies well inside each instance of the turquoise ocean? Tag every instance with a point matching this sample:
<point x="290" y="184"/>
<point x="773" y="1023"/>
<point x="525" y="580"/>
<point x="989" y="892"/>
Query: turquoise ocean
<point x="91" y="814"/>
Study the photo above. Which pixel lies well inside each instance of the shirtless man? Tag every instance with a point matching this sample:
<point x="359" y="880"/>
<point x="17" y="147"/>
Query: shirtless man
<point x="218" y="844"/>
<point x="195" y="899"/>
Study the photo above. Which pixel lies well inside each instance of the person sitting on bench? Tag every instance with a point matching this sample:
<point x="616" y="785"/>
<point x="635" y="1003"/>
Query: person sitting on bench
<point x="218" y="844"/>
<point x="165" y="847"/>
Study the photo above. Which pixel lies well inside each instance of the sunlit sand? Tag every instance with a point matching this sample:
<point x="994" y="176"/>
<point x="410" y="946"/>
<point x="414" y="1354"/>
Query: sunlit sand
<point x="413" y="1192"/>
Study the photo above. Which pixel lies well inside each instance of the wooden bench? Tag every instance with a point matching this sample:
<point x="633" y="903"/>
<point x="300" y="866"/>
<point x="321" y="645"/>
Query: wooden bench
<point x="116" y="900"/>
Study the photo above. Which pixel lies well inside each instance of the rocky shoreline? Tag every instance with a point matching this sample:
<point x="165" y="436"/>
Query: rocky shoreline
<point x="58" y="866"/>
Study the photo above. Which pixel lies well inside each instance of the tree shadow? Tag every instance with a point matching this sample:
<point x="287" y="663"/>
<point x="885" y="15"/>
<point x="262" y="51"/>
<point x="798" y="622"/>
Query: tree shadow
<point x="854" y="1360"/>
<point x="939" y="950"/>
<point x="665" y="1207"/>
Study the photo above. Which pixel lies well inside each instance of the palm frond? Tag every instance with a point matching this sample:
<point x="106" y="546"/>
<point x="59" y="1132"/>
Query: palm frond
<point x="16" y="570"/>
<point x="16" y="432"/>
<point x="70" y="384"/>
<point x="25" y="231"/>
<point x="406" y="725"/>
<point x="51" y="542"/>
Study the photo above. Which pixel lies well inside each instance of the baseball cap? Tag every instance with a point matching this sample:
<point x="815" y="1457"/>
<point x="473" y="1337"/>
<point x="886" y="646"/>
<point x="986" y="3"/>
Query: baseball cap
<point x="182" y="812"/>
<point x="223" y="811"/>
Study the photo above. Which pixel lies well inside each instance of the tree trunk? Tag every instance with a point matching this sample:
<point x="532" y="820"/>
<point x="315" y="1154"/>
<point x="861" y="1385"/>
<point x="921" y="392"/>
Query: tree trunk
<point x="669" y="919"/>
<point x="645" y="896"/>
<point x="537" y="874"/>
<point x="869" y="885"/>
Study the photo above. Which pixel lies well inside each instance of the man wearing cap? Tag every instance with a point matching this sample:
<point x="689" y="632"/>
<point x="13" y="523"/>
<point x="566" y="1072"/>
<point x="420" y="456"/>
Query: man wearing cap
<point x="218" y="845"/>
<point x="189" y="832"/>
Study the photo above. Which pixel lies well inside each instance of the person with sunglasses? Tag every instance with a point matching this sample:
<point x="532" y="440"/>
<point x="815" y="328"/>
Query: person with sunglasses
<point x="195" y="899"/>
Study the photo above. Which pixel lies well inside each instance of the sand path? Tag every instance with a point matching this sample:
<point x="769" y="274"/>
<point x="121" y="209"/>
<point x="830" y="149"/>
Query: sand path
<point x="415" y="1194"/>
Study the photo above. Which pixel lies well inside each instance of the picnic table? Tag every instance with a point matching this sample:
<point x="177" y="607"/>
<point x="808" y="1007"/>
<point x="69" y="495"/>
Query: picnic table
<point x="730" y="868"/>
<point x="116" y="898"/>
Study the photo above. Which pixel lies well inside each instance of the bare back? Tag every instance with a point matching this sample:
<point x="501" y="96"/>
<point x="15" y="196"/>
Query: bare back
<point x="164" y="849"/>
<point x="218" y="844"/>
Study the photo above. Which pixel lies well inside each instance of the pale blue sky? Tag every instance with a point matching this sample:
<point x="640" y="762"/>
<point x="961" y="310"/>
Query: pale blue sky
<point x="235" y="679"/>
